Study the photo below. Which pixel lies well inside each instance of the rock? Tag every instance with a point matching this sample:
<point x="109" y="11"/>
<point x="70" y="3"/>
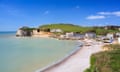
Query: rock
<point x="21" y="33"/>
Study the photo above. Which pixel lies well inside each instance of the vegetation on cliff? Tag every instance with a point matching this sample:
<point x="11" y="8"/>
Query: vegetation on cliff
<point x="107" y="61"/>
<point x="25" y="28"/>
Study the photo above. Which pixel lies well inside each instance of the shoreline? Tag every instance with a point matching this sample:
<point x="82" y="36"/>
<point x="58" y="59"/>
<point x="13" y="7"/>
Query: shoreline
<point x="52" y="65"/>
<point x="75" y="56"/>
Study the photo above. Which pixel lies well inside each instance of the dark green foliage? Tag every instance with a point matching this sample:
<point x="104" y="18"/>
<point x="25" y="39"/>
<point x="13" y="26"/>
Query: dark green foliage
<point x="108" y="61"/>
<point x="45" y="29"/>
<point x="25" y="28"/>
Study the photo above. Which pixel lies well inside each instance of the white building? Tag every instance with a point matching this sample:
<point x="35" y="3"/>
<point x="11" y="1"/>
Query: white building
<point x="119" y="40"/>
<point x="110" y="35"/>
<point x="90" y="35"/>
<point x="69" y="35"/>
<point x="56" y="30"/>
<point x="117" y="34"/>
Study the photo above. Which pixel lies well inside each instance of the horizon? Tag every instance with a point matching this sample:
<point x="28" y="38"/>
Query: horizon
<point x="33" y="13"/>
<point x="55" y="23"/>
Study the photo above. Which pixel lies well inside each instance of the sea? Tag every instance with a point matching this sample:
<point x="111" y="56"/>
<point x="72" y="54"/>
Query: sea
<point x="28" y="54"/>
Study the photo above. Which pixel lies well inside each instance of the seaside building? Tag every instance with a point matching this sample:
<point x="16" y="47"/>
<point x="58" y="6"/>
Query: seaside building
<point x="90" y="35"/>
<point x="117" y="34"/>
<point x="112" y="27"/>
<point x="119" y="40"/>
<point x="69" y="35"/>
<point x="73" y="35"/>
<point x="110" y="35"/>
<point x="56" y="30"/>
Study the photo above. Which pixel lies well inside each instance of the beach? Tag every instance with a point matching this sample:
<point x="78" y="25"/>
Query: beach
<point x="79" y="61"/>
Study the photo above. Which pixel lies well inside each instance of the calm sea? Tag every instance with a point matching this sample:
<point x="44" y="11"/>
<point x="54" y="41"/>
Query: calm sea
<point x="30" y="54"/>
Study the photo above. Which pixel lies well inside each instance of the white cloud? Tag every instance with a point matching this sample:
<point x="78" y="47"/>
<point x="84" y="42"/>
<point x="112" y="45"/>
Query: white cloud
<point x="116" y="13"/>
<point x="104" y="13"/>
<point x="96" y="17"/>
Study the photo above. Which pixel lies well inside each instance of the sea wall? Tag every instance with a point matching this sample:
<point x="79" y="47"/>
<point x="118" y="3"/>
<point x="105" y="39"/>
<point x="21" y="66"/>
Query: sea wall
<point x="66" y="57"/>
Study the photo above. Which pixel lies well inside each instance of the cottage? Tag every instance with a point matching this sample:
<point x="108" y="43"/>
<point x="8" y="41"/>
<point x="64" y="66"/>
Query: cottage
<point x="56" y="30"/>
<point x="117" y="34"/>
<point x="110" y="35"/>
<point x="69" y="35"/>
<point x="119" y="40"/>
<point x="90" y="35"/>
<point x="73" y="35"/>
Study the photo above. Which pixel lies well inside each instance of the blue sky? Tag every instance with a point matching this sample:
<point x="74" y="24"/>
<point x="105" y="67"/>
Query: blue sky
<point x="33" y="13"/>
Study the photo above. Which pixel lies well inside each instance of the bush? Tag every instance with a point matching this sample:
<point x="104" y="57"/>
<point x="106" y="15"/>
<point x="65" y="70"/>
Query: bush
<point x="107" y="61"/>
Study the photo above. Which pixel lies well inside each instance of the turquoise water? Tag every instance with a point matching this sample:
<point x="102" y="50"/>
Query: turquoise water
<point x="30" y="54"/>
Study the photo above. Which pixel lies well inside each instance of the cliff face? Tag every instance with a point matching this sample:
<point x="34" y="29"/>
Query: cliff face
<point x="21" y="33"/>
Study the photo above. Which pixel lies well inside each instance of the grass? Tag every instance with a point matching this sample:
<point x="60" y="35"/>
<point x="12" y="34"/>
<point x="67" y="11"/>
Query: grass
<point x="66" y="27"/>
<point x="107" y="61"/>
<point x="76" y="28"/>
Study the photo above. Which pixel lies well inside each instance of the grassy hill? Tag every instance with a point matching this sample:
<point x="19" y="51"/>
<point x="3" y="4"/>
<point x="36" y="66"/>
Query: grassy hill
<point x="67" y="27"/>
<point x="76" y="28"/>
<point x="108" y="61"/>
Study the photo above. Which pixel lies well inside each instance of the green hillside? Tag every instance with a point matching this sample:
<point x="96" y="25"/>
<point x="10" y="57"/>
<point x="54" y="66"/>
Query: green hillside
<point x="67" y="27"/>
<point x="76" y="28"/>
<point x="108" y="61"/>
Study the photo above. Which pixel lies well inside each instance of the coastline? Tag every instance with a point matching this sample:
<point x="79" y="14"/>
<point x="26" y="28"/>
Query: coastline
<point x="52" y="65"/>
<point x="79" y="56"/>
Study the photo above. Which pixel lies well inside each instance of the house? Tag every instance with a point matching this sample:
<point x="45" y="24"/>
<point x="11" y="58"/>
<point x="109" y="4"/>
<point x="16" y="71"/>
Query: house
<point x="90" y="35"/>
<point x="56" y="30"/>
<point x="73" y="35"/>
<point x="117" y="34"/>
<point x="110" y="35"/>
<point x="69" y="35"/>
<point x="119" y="40"/>
<point x="112" y="27"/>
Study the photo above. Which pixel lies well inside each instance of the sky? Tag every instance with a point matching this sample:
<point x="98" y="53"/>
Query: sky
<point x="33" y="13"/>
